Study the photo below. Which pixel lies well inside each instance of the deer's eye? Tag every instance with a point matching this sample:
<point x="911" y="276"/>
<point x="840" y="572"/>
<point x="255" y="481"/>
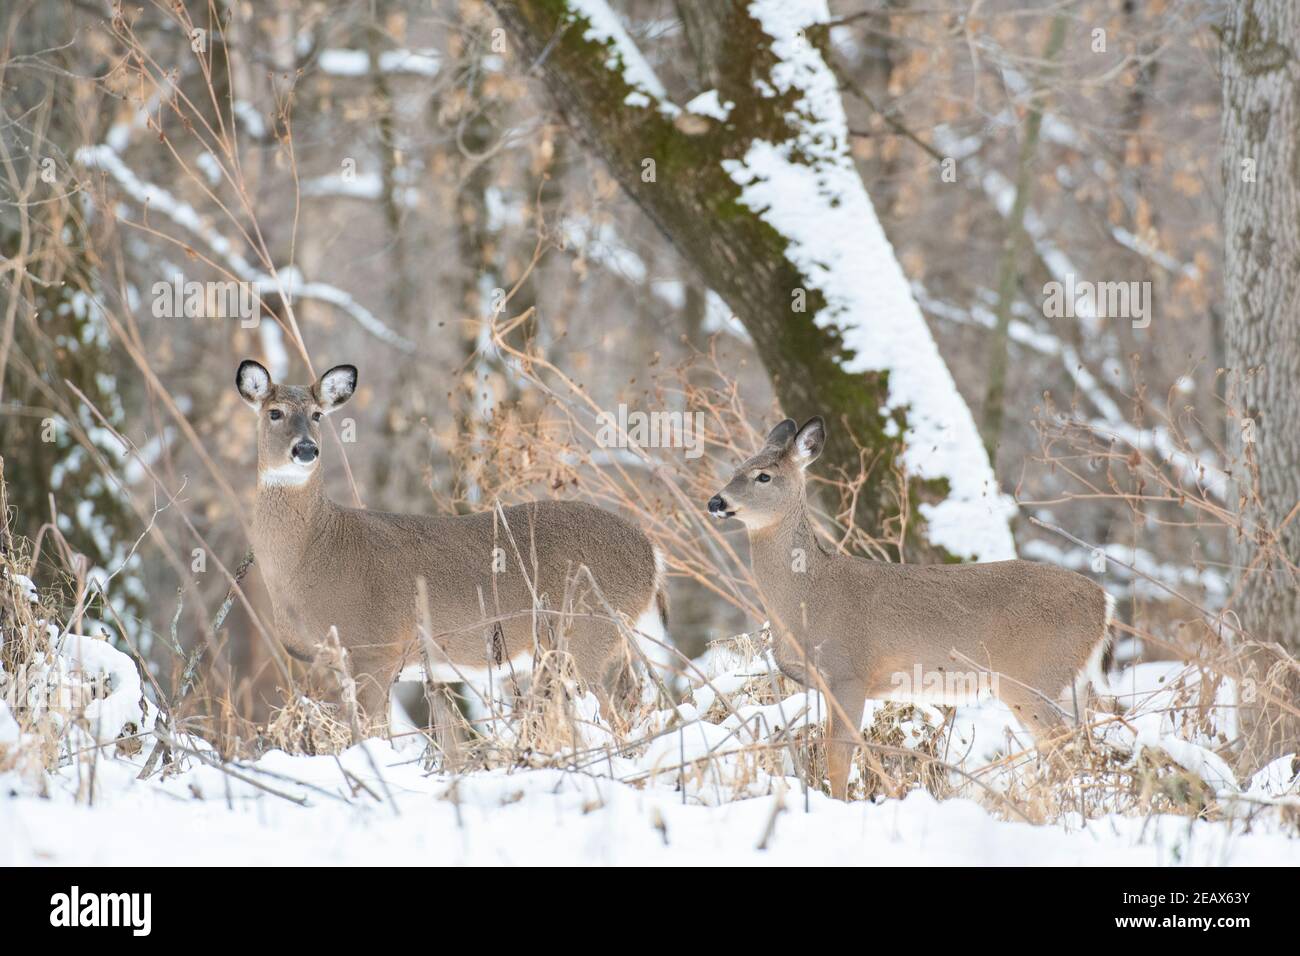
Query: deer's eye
<point x="762" y="477"/>
<point x="276" y="414"/>
<point x="315" y="416"/>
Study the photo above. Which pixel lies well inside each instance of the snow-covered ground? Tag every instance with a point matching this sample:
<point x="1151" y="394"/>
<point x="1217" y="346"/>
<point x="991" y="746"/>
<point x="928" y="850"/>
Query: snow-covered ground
<point x="550" y="817"/>
<point x="376" y="802"/>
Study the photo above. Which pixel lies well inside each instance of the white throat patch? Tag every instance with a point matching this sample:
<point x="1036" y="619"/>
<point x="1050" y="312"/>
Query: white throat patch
<point x="289" y="475"/>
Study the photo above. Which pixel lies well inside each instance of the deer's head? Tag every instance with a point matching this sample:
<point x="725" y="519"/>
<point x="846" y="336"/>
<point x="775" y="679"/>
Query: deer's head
<point x="765" y="487"/>
<point x="288" y="419"/>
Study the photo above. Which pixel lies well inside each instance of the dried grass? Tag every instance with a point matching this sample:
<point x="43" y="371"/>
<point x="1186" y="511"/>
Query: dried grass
<point x="308" y="726"/>
<point x="549" y="446"/>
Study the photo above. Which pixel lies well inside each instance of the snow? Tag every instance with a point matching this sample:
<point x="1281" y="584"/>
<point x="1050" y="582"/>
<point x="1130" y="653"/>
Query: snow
<point x="251" y="119"/>
<point x="708" y="104"/>
<point x="359" y="186"/>
<point x="28" y="587"/>
<point x="1175" y="576"/>
<point x="274" y="350"/>
<point x="135" y="466"/>
<point x="86" y="679"/>
<point x="210" y="166"/>
<point x="718" y="317"/>
<point x="605" y="27"/>
<point x="287" y="281"/>
<point x="376" y="803"/>
<point x="1197" y="467"/>
<point x="549" y="817"/>
<point x="818" y="202"/>
<point x="816" y="199"/>
<point x="1278" y="779"/>
<point x="1201" y="761"/>
<point x="10" y="732"/>
<point x="504" y="211"/>
<point x="1148" y="251"/>
<point x="90" y="659"/>
<point x="343" y="62"/>
<point x="635" y="805"/>
<point x="600" y="243"/>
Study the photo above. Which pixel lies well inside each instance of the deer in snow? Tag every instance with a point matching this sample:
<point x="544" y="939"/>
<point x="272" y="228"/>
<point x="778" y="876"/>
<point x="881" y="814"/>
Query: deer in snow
<point x="858" y="625"/>
<point x="326" y="565"/>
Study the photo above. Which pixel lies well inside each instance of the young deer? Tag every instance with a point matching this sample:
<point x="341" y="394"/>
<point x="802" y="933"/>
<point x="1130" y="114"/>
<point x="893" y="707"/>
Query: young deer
<point x="869" y="626"/>
<point x="356" y="570"/>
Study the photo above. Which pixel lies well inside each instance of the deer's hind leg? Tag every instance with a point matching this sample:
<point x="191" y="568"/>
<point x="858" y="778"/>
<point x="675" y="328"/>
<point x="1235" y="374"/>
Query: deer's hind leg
<point x="1035" y="710"/>
<point x="601" y="660"/>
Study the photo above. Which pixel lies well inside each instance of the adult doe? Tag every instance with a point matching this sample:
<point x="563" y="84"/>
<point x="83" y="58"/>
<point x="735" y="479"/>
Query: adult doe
<point x="1037" y="631"/>
<point x="489" y="576"/>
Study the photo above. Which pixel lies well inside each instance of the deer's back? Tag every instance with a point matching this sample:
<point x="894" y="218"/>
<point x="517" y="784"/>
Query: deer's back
<point x="1006" y="614"/>
<point x="477" y="564"/>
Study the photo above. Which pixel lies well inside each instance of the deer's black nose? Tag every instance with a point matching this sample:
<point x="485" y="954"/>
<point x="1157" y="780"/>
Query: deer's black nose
<point x="304" y="452"/>
<point x="718" y="507"/>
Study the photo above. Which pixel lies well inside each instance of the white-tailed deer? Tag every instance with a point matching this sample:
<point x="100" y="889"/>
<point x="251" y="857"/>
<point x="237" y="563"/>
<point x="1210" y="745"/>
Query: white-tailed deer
<point x="489" y="576"/>
<point x="870" y="627"/>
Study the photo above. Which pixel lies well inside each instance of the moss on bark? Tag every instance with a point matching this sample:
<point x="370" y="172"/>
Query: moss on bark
<point x="697" y="205"/>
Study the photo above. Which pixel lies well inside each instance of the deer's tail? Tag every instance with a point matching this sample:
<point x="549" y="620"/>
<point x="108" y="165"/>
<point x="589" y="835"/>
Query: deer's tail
<point x="661" y="587"/>
<point x="1100" y="661"/>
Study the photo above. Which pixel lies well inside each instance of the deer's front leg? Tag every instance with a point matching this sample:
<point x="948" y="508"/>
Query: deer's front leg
<point x="291" y="630"/>
<point x="373" y="671"/>
<point x="843" y="735"/>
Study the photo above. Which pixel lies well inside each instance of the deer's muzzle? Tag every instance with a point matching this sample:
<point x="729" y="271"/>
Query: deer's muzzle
<point x="304" y="452"/>
<point x="718" y="508"/>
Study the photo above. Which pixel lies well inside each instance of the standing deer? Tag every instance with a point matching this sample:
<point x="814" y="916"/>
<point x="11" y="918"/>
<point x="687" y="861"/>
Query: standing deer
<point x="487" y="574"/>
<point x="1040" y="631"/>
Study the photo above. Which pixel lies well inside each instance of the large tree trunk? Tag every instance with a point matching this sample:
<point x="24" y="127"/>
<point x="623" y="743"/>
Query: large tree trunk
<point x="767" y="206"/>
<point x="1261" y="156"/>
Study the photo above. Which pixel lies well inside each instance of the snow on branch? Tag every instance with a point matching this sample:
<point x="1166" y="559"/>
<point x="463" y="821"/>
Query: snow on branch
<point x="287" y="282"/>
<point x="344" y="62"/>
<point x="1197" y="465"/>
<point x="625" y="57"/>
<point x="601" y="244"/>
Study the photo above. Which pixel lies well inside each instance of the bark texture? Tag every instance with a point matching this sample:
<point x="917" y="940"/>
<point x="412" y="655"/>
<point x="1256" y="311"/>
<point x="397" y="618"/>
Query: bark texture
<point x="671" y="166"/>
<point x="1261" y="155"/>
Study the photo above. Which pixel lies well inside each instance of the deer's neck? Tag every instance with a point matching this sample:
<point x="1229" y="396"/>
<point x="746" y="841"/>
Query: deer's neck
<point x="287" y="519"/>
<point x="786" y="556"/>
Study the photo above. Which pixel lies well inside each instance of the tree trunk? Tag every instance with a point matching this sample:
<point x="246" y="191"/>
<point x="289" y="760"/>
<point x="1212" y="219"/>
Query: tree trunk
<point x="1261" y="156"/>
<point x="1009" y="266"/>
<point x="679" y="167"/>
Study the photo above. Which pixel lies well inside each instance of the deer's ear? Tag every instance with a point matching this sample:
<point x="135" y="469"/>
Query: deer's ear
<point x="781" y="436"/>
<point x="253" y="382"/>
<point x="336" y="387"/>
<point x="810" y="440"/>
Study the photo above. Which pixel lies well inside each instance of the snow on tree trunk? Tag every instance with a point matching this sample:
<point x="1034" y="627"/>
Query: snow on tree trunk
<point x="1261" y="156"/>
<point x="808" y="188"/>
<point x="755" y="186"/>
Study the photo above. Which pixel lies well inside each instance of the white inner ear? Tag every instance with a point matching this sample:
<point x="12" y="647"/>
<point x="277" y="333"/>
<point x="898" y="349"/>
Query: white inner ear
<point x="254" y="384"/>
<point x="335" y="387"/>
<point x="804" y="445"/>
